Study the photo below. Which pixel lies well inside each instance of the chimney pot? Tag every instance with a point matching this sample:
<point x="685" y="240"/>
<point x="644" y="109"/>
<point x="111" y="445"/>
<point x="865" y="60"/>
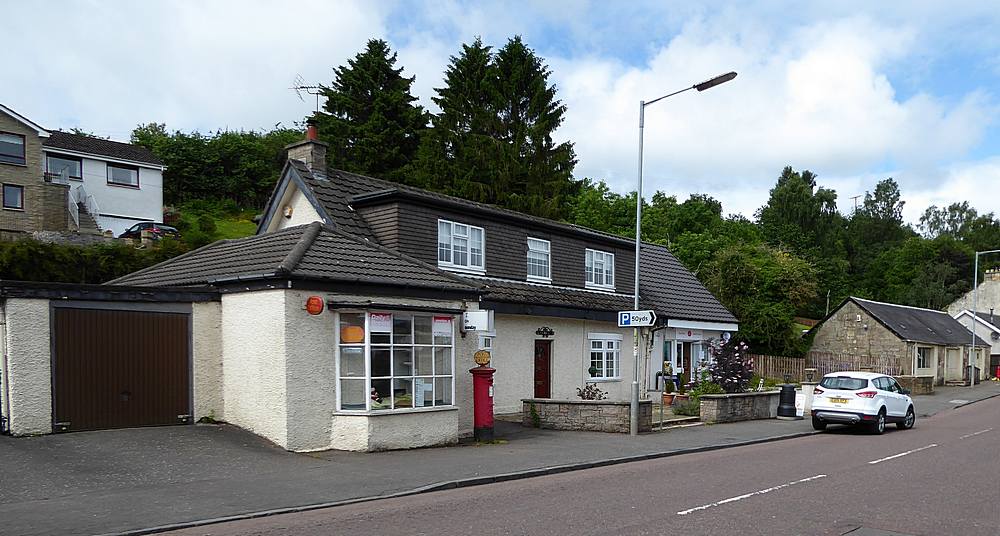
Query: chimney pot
<point x="311" y="131"/>
<point x="310" y="151"/>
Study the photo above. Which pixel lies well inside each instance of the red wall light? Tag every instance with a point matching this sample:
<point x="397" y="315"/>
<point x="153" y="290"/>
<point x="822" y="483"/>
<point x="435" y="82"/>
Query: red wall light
<point x="314" y="305"/>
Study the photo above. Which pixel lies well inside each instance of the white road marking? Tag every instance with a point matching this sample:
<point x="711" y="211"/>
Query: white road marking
<point x="747" y="495"/>
<point x="887" y="458"/>
<point x="958" y="401"/>
<point x="976" y="433"/>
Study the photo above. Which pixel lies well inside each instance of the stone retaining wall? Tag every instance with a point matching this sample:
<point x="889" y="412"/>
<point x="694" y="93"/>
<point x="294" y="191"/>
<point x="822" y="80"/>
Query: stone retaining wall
<point x="918" y="385"/>
<point x="739" y="406"/>
<point x="589" y="415"/>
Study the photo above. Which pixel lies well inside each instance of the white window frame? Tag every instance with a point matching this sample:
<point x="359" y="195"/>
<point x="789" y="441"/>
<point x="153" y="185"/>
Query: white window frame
<point x="367" y="378"/>
<point x="930" y="357"/>
<point x="542" y="247"/>
<point x="448" y="248"/>
<point x="606" y="281"/>
<point x="610" y="348"/>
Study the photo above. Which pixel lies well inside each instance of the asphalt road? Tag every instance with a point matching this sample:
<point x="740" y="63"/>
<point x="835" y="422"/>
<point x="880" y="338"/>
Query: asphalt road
<point x="941" y="478"/>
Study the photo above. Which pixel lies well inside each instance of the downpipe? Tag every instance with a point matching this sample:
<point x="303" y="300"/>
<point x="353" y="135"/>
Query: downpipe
<point x="5" y="413"/>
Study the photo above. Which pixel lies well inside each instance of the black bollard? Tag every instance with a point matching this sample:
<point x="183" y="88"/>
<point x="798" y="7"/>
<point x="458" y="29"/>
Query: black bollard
<point x="786" y="403"/>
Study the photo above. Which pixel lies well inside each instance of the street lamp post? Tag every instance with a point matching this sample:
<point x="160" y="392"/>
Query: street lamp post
<point x="707" y="84"/>
<point x="972" y="317"/>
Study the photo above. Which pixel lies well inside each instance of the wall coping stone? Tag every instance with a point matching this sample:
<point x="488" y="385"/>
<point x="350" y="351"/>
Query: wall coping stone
<point x="737" y="395"/>
<point x="583" y="402"/>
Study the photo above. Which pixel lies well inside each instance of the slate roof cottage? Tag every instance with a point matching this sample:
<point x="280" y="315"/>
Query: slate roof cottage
<point x="921" y="342"/>
<point x="384" y="364"/>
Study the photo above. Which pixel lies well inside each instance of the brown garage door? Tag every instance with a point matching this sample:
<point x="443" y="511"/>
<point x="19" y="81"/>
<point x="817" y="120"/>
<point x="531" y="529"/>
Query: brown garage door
<point x="118" y="369"/>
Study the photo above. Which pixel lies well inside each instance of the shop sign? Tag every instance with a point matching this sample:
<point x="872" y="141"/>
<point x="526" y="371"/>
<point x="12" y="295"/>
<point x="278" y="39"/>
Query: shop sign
<point x="380" y="322"/>
<point x="689" y="334"/>
<point x="441" y="327"/>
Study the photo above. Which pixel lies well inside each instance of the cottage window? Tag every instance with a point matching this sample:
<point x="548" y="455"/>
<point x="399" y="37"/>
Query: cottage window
<point x="55" y="164"/>
<point x="123" y="175"/>
<point x="924" y="357"/>
<point x="11" y="148"/>
<point x="539" y="260"/>
<point x="13" y="196"/>
<point x="600" y="269"/>
<point x="605" y="356"/>
<point x="395" y="361"/>
<point x="461" y="246"/>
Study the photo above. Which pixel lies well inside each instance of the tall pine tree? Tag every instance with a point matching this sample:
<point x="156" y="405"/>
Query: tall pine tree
<point x="371" y="120"/>
<point x="492" y="141"/>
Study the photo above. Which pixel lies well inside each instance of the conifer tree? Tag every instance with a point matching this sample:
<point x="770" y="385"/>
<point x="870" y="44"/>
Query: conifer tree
<point x="371" y="120"/>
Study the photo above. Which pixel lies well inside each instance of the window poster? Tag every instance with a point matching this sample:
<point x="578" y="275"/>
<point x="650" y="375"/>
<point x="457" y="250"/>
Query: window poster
<point x="380" y="322"/>
<point x="442" y="326"/>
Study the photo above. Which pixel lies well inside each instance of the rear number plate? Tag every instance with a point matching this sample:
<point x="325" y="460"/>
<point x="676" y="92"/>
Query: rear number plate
<point x="838" y="400"/>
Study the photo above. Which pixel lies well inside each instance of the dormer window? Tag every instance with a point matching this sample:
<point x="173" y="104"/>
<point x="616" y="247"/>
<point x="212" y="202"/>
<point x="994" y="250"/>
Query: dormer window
<point x="461" y="246"/>
<point x="539" y="260"/>
<point x="600" y="269"/>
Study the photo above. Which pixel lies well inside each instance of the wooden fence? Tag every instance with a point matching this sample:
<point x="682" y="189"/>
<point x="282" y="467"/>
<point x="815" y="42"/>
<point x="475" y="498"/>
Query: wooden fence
<point x="827" y="362"/>
<point x="772" y="366"/>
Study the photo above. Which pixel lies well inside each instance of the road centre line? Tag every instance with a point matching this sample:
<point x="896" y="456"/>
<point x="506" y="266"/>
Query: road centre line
<point x="747" y="495"/>
<point x="887" y="458"/>
<point x="976" y="433"/>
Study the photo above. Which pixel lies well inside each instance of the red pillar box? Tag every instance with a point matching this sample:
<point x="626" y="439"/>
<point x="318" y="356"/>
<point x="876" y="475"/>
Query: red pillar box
<point x="482" y="397"/>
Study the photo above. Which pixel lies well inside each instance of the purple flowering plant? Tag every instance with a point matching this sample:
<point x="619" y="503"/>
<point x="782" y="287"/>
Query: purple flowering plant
<point x="732" y="365"/>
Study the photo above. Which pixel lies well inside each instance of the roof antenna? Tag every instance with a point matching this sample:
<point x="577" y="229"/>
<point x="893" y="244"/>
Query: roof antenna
<point x="299" y="85"/>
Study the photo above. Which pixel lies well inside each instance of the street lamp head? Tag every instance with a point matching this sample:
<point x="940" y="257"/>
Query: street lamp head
<point x="712" y="82"/>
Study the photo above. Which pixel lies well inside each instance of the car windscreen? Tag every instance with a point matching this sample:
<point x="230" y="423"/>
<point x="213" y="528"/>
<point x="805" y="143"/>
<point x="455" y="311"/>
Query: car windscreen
<point x="843" y="382"/>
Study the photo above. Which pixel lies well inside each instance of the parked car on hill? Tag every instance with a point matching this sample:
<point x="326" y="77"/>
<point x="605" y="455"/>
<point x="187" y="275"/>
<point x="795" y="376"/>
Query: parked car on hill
<point x="862" y="398"/>
<point x="156" y="230"/>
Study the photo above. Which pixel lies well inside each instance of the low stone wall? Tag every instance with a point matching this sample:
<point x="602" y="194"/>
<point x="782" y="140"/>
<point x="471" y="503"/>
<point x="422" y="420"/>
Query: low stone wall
<point x="739" y="406"/>
<point x="589" y="415"/>
<point x="918" y="385"/>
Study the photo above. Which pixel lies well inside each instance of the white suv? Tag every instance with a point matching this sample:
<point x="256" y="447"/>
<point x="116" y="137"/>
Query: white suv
<point x="862" y="398"/>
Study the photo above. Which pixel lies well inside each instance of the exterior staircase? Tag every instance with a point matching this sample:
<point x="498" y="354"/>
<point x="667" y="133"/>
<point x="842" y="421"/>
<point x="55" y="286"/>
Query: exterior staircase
<point x="88" y="225"/>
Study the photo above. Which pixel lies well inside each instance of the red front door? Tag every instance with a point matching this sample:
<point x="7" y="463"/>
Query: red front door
<point x="543" y="369"/>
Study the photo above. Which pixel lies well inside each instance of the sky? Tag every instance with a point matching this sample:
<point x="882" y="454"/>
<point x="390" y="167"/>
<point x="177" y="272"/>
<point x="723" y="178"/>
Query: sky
<point x="854" y="91"/>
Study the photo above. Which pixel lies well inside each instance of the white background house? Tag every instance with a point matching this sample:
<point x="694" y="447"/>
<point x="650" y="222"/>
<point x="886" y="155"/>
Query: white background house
<point x="118" y="183"/>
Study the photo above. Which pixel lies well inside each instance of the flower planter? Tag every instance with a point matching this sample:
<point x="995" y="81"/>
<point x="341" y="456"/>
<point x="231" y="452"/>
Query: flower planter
<point x="680" y="397"/>
<point x="668" y="398"/>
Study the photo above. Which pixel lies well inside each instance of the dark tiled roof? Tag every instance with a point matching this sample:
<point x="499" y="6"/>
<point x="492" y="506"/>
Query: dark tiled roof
<point x="334" y="193"/>
<point x="97" y="146"/>
<point x="670" y="289"/>
<point x="504" y="290"/>
<point x="314" y="251"/>
<point x="919" y="325"/>
<point x="341" y="189"/>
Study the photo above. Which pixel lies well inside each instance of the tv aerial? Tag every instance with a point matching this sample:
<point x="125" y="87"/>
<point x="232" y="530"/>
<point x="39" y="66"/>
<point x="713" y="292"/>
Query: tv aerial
<point x="300" y="86"/>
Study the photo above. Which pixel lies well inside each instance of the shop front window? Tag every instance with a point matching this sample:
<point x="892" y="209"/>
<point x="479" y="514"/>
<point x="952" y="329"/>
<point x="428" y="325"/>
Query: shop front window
<point x="409" y="359"/>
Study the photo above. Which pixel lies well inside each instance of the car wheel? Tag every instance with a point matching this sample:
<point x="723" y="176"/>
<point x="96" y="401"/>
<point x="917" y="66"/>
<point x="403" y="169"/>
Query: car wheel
<point x="907" y="421"/>
<point x="878" y="426"/>
<point x="818" y="424"/>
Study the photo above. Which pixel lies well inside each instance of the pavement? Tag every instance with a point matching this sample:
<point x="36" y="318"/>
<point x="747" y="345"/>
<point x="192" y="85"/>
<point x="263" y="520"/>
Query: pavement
<point x="147" y="480"/>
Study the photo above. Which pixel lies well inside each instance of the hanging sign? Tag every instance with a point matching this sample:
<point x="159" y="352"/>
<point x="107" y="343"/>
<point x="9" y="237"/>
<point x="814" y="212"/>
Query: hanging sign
<point x="441" y="327"/>
<point x="380" y="322"/>
<point x="476" y="321"/>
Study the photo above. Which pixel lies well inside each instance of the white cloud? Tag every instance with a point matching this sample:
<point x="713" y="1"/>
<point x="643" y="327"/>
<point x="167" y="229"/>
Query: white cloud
<point x="818" y="88"/>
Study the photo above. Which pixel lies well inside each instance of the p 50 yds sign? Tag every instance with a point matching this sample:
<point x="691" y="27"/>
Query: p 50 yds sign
<point x="636" y="319"/>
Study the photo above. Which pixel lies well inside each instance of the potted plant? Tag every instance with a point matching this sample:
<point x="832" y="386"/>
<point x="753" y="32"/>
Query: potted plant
<point x="668" y="391"/>
<point x="681" y="395"/>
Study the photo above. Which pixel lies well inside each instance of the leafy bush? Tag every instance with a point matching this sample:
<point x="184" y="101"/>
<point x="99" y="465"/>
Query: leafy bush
<point x="732" y="366"/>
<point x="31" y="260"/>
<point x="690" y="408"/>
<point x="682" y="383"/>
<point x="206" y="224"/>
<point x="706" y="388"/>
<point x="591" y="392"/>
<point x="770" y="384"/>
